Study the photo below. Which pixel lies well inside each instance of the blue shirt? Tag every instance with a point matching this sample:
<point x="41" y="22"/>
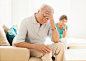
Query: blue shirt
<point x="60" y="31"/>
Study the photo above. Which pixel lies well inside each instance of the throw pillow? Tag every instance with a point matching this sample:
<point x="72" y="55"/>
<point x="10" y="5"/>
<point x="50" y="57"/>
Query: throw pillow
<point x="11" y="33"/>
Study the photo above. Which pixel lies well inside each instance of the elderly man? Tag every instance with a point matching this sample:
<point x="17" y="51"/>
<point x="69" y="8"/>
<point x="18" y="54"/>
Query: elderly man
<point x="33" y="31"/>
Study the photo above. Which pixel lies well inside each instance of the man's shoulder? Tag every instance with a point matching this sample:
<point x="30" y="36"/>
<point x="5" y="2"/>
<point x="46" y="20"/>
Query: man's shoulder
<point x="26" y="20"/>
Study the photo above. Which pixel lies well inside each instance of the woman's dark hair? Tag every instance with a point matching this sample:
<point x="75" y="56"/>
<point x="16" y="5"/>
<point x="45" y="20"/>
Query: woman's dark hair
<point x="63" y="17"/>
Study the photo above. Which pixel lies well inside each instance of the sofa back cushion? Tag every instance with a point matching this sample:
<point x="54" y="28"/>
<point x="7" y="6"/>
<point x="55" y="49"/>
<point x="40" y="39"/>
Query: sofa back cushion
<point x="3" y="39"/>
<point x="5" y="28"/>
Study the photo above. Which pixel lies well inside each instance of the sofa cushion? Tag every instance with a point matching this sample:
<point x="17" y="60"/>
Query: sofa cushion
<point x="12" y="53"/>
<point x="11" y="33"/>
<point x="76" y="43"/>
<point x="3" y="39"/>
<point x="34" y="59"/>
<point x="5" y="28"/>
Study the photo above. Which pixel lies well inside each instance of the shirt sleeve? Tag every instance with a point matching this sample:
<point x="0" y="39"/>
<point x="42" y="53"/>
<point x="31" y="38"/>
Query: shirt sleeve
<point x="66" y="27"/>
<point x="22" y="33"/>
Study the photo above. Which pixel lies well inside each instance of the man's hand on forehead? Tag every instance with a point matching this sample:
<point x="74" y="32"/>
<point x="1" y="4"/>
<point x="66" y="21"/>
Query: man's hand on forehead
<point x="47" y="14"/>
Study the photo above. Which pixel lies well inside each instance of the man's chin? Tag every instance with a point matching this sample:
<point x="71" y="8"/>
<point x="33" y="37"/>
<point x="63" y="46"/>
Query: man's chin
<point x="42" y="23"/>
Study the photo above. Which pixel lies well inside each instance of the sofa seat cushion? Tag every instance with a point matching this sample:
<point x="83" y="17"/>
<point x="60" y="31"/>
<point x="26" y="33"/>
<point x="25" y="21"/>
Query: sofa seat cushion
<point x="34" y="59"/>
<point x="12" y="53"/>
<point x="76" y="43"/>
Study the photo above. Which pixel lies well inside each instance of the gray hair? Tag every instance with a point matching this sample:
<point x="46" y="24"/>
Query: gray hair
<point x="49" y="8"/>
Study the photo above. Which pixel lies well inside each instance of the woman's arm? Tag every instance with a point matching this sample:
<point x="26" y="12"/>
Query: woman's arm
<point x="65" y="33"/>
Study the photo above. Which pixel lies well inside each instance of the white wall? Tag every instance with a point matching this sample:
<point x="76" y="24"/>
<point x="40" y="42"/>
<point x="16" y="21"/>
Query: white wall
<point x="5" y="12"/>
<point x="25" y="8"/>
<point x="77" y="20"/>
<point x="0" y="15"/>
<point x="13" y="11"/>
<point x="20" y="10"/>
<point x="17" y="10"/>
<point x="60" y="7"/>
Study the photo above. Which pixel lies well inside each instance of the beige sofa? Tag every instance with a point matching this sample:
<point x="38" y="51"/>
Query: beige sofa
<point x="12" y="53"/>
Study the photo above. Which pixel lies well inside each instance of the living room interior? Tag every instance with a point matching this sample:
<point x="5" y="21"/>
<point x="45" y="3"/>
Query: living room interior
<point x="12" y="12"/>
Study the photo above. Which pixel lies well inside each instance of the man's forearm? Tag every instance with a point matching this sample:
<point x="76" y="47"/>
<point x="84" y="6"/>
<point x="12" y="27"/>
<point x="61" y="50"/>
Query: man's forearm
<point x="26" y="45"/>
<point x="55" y="35"/>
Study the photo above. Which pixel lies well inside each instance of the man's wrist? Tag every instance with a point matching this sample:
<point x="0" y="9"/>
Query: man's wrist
<point x="53" y="27"/>
<point x="35" y="45"/>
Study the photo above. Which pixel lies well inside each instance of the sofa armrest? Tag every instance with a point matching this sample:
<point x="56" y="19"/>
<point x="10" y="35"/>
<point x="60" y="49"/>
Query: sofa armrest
<point x="12" y="53"/>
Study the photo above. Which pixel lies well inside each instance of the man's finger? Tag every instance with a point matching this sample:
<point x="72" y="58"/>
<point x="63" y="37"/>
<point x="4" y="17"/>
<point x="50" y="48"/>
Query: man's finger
<point x="49" y="13"/>
<point x="43" y="52"/>
<point x="48" y="48"/>
<point x="46" y="15"/>
<point x="45" y="20"/>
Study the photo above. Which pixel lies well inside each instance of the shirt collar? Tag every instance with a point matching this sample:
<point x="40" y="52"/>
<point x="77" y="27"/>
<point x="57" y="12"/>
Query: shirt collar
<point x="34" y="19"/>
